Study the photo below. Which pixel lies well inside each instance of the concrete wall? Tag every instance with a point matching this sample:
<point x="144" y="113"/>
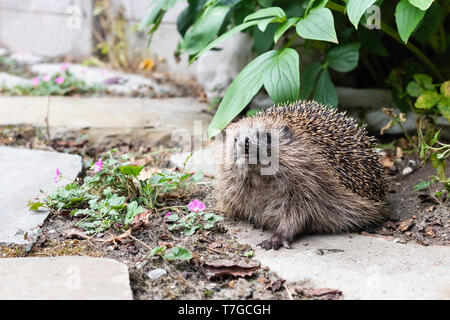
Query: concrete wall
<point x="55" y="28"/>
<point x="47" y="27"/>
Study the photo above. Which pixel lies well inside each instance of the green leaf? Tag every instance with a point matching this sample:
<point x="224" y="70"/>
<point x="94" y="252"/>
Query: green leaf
<point x="212" y="218"/>
<point x="430" y="25"/>
<point x="263" y="41"/>
<point x="35" y="205"/>
<point x="407" y="18"/>
<point x="204" y="29"/>
<point x="421" y="4"/>
<point x="444" y="107"/>
<point x="414" y="89"/>
<point x="445" y="89"/>
<point x="188" y="16"/>
<point x="133" y="209"/>
<point x="427" y="100"/>
<point x="423" y="185"/>
<point x="243" y="88"/>
<point x="284" y="27"/>
<point x="356" y="9"/>
<point x="156" y="250"/>
<point x="325" y="91"/>
<point x="173" y="217"/>
<point x="344" y="58"/>
<point x="178" y="253"/>
<point x="424" y="80"/>
<point x="131" y="170"/>
<point x="153" y="10"/>
<point x="272" y="12"/>
<point x="317" y="25"/>
<point x="309" y="78"/>
<point x="226" y="35"/>
<point x="282" y="78"/>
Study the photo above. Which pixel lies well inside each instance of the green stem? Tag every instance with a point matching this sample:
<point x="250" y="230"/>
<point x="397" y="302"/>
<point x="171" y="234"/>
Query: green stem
<point x="288" y="44"/>
<point x="392" y="33"/>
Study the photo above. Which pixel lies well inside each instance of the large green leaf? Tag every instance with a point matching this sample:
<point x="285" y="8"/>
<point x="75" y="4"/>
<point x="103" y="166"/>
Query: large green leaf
<point x="263" y="41"/>
<point x="430" y="25"/>
<point x="318" y="25"/>
<point x="421" y="4"/>
<point x="371" y="40"/>
<point x="325" y="91"/>
<point x="272" y="12"/>
<point x="204" y="29"/>
<point x="427" y="100"/>
<point x="344" y="58"/>
<point x="283" y="27"/>
<point x="243" y="88"/>
<point x="282" y="80"/>
<point x="153" y="10"/>
<point x="178" y="253"/>
<point x="356" y="8"/>
<point x="309" y="79"/>
<point x="407" y="18"/>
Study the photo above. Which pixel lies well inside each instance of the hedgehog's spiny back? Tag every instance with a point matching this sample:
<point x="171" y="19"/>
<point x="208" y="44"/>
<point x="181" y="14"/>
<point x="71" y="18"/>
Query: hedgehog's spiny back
<point x="345" y="146"/>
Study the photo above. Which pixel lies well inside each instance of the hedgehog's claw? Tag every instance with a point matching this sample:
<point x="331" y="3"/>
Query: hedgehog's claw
<point x="275" y="242"/>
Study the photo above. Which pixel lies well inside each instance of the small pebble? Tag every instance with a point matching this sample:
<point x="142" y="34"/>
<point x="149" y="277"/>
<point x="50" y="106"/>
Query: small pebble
<point x="412" y="163"/>
<point x="407" y="171"/>
<point x="157" y="273"/>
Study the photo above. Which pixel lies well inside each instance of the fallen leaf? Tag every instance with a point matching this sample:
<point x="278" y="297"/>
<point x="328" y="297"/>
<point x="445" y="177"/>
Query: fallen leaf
<point x="263" y="280"/>
<point x="214" y="245"/>
<point x="430" y="208"/>
<point x="224" y="267"/>
<point x="325" y="293"/>
<point x="276" y="285"/>
<point x="75" y="233"/>
<point x="141" y="220"/>
<point x="386" y="161"/>
<point x="147" y="64"/>
<point x="430" y="232"/>
<point x="399" y="153"/>
<point x="405" y="225"/>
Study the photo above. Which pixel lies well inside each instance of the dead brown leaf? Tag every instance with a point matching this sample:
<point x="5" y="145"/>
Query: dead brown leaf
<point x="325" y="293"/>
<point x="386" y="161"/>
<point x="141" y="220"/>
<point x="75" y="233"/>
<point x="223" y="267"/>
<point x="399" y="153"/>
<point x="430" y="232"/>
<point x="405" y="225"/>
<point x="276" y="285"/>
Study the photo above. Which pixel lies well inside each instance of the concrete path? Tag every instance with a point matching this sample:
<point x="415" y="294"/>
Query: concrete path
<point x="23" y="174"/>
<point x="64" y="278"/>
<point x="362" y="267"/>
<point x="156" y="119"/>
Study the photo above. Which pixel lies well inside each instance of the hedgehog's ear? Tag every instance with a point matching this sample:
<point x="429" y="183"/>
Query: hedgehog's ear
<point x="286" y="132"/>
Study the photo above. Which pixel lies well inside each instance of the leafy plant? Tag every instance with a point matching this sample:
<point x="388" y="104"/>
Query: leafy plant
<point x="274" y="25"/>
<point x="113" y="196"/>
<point x="60" y="84"/>
<point x="176" y="253"/>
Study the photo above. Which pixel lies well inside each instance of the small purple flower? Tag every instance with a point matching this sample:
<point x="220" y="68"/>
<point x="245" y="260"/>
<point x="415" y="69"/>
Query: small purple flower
<point x="65" y="66"/>
<point x="57" y="176"/>
<point x="35" y="81"/>
<point x="59" y="80"/>
<point x="98" y="166"/>
<point x="46" y="77"/>
<point x="118" y="225"/>
<point x="168" y="214"/>
<point x="196" y="206"/>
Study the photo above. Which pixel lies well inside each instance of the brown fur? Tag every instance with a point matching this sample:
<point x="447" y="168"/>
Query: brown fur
<point x="329" y="179"/>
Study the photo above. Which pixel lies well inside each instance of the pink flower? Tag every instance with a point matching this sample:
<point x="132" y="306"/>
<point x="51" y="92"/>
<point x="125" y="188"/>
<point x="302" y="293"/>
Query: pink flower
<point x="65" y="66"/>
<point x="118" y="225"/>
<point x="59" y="80"/>
<point x="45" y="77"/>
<point x="168" y="214"/>
<point x="98" y="166"/>
<point x="196" y="206"/>
<point x="35" y="81"/>
<point x="57" y="176"/>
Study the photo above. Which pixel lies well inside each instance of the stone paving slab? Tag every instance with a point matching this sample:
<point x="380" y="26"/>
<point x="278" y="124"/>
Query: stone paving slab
<point x="152" y="118"/>
<point x="366" y="268"/>
<point x="64" y="278"/>
<point x="23" y="173"/>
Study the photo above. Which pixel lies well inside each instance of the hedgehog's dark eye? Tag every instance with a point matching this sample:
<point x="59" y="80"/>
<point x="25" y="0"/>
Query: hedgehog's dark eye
<point x="247" y="145"/>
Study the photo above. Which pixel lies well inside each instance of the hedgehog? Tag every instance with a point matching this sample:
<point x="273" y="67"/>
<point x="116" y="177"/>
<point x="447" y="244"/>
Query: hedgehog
<point x="298" y="169"/>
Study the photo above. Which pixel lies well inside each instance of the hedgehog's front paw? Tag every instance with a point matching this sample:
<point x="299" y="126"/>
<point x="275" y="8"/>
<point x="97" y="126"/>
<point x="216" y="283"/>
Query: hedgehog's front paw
<point x="275" y="242"/>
